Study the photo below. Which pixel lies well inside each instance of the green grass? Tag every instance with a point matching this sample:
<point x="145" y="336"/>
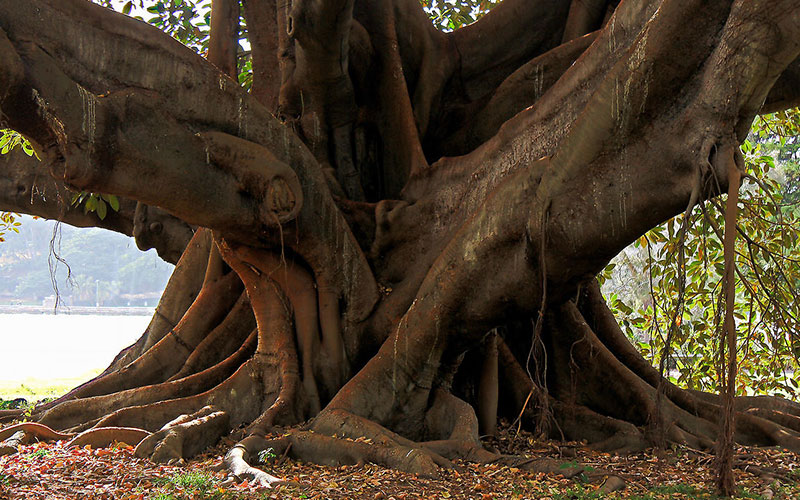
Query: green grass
<point x="190" y="485"/>
<point x="34" y="389"/>
<point x="191" y="480"/>
<point x="578" y="492"/>
<point x="679" y="488"/>
<point x="41" y="453"/>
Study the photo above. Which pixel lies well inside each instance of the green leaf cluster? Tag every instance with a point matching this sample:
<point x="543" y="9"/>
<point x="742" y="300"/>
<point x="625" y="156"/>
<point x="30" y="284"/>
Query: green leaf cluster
<point x="189" y="22"/>
<point x="8" y="222"/>
<point x="10" y="139"/>
<point x="449" y="15"/>
<point x="96" y="202"/>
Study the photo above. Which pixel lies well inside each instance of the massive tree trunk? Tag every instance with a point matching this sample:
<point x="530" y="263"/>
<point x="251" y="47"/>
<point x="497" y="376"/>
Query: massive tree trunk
<point x="396" y="233"/>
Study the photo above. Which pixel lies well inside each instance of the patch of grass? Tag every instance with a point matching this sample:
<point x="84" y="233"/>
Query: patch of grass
<point x="190" y="485"/>
<point x="578" y="493"/>
<point x="163" y="496"/>
<point x="192" y="480"/>
<point x="265" y="456"/>
<point x="34" y="389"/>
<point x="681" y="490"/>
<point x="678" y="488"/>
<point x="40" y="453"/>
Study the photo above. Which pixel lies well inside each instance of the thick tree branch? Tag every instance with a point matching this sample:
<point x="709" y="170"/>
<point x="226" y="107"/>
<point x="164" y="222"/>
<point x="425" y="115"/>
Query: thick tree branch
<point x="155" y="228"/>
<point x="500" y="42"/>
<point x="586" y="16"/>
<point x="521" y="89"/>
<point x="785" y="93"/>
<point x="27" y="187"/>
<point x="742" y="73"/>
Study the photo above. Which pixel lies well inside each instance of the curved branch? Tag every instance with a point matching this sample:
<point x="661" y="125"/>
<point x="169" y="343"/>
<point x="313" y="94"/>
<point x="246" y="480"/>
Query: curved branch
<point x="785" y="93"/>
<point x="586" y="16"/>
<point x="500" y="42"/>
<point x="521" y="89"/>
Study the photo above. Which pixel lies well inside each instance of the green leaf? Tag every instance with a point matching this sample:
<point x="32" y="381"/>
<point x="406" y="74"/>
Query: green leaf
<point x="102" y="209"/>
<point x="90" y="205"/>
<point x="112" y="200"/>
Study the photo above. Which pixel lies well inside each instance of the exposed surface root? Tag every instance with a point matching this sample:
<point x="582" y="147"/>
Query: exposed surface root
<point x="103" y="436"/>
<point x="185" y="436"/>
<point x="10" y="415"/>
<point x="236" y="460"/>
<point x="10" y="445"/>
<point x="15" y="435"/>
<point x="79" y="411"/>
<point x="167" y="356"/>
<point x="240" y="396"/>
<point x="602" y="391"/>
<point x="24" y="433"/>
<point x="34" y="429"/>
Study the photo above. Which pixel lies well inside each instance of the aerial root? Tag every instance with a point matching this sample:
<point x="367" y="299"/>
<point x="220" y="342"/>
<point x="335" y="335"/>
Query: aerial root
<point x="185" y="436"/>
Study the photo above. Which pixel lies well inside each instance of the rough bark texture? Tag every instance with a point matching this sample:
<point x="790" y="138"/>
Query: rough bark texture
<point x="407" y="229"/>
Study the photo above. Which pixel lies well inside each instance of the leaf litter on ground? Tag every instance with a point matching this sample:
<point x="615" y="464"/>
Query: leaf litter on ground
<point x="53" y="471"/>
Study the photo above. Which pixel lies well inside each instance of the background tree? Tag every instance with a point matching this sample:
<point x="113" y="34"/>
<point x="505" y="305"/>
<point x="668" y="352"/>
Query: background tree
<point x="400" y="226"/>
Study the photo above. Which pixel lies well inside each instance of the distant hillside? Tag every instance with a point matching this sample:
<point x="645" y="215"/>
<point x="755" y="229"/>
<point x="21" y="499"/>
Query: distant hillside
<point x="106" y="267"/>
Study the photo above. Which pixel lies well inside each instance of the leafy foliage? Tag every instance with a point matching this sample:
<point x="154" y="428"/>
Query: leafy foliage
<point x="449" y="15"/>
<point x="10" y="139"/>
<point x="767" y="310"/>
<point x="95" y="202"/>
<point x="188" y="21"/>
<point x="8" y="222"/>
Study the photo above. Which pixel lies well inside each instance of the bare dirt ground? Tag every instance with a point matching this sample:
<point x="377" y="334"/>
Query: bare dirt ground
<point x="52" y="471"/>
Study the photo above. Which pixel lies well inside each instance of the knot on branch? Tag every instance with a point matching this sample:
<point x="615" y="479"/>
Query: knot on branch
<point x="272" y="183"/>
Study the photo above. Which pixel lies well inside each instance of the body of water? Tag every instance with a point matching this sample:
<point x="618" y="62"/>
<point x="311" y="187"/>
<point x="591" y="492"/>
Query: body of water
<point x="62" y="346"/>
